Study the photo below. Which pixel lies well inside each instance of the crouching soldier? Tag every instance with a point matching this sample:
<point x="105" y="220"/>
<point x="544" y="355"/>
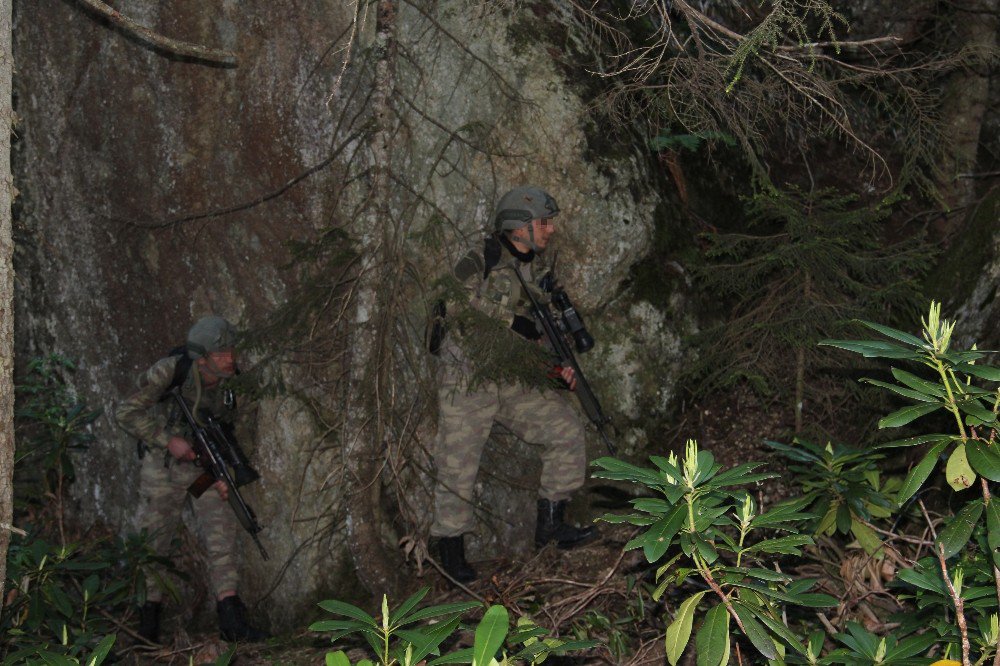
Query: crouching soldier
<point x="168" y="467"/>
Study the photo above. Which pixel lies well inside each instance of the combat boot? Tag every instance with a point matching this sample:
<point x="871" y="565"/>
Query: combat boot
<point x="149" y="620"/>
<point x="233" y="624"/>
<point x="451" y="550"/>
<point x="552" y="527"/>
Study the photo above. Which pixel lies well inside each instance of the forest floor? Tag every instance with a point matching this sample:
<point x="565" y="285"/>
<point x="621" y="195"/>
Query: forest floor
<point x="590" y="592"/>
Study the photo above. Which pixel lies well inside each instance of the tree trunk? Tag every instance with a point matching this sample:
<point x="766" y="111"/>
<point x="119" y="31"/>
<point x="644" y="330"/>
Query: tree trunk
<point x="6" y="296"/>
<point x="965" y="100"/>
<point x="800" y="360"/>
<point x="370" y="374"/>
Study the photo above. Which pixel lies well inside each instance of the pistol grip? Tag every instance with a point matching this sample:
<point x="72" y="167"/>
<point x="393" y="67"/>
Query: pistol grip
<point x="201" y="484"/>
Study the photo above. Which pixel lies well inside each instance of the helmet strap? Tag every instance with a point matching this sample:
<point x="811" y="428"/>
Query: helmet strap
<point x="531" y="236"/>
<point x="526" y="257"/>
<point x="530" y="240"/>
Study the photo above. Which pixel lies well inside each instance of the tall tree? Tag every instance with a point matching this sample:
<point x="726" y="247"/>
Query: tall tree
<point x="810" y="262"/>
<point x="965" y="99"/>
<point x="369" y="390"/>
<point x="6" y="294"/>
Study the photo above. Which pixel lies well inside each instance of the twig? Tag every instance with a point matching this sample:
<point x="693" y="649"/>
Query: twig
<point x="11" y="528"/>
<point x="983" y="174"/>
<point x="444" y="573"/>
<point x="830" y="629"/>
<point x="897" y="537"/>
<point x="587" y="598"/>
<point x="128" y="630"/>
<point x="562" y="581"/>
<point x="707" y="575"/>
<point x="177" y="47"/>
<point x="927" y="517"/>
<point x="359" y="16"/>
<point x="959" y="607"/>
<point x="893" y="39"/>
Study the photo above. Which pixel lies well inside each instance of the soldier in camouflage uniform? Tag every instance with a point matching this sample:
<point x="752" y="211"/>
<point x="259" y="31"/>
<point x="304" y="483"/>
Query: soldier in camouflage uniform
<point x="541" y="415"/>
<point x="168" y="467"/>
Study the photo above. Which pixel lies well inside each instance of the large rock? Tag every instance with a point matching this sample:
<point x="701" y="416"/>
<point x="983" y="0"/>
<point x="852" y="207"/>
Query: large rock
<point x="154" y="190"/>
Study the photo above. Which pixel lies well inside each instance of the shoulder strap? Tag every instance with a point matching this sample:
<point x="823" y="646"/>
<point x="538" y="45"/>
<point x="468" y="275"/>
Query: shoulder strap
<point x="492" y="251"/>
<point x="181" y="370"/>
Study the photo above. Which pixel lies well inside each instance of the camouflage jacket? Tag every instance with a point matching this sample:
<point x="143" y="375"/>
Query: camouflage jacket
<point x="154" y="421"/>
<point x="489" y="322"/>
<point x="500" y="294"/>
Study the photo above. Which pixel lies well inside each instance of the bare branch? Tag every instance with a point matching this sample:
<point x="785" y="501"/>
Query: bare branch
<point x="155" y="39"/>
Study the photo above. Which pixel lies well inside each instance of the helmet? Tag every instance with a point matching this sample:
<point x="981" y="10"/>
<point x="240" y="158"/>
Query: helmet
<point x="522" y="205"/>
<point x="210" y="334"/>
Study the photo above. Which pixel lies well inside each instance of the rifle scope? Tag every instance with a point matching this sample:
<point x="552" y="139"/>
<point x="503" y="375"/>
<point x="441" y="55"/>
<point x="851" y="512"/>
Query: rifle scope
<point x="571" y="321"/>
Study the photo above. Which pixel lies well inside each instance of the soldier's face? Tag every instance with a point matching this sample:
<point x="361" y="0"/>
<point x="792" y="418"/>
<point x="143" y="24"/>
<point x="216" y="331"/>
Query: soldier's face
<point x="217" y="365"/>
<point x="542" y="230"/>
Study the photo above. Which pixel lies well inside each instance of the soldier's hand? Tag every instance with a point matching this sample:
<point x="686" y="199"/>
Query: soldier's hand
<point x="223" y="489"/>
<point x="569" y="377"/>
<point x="180" y="449"/>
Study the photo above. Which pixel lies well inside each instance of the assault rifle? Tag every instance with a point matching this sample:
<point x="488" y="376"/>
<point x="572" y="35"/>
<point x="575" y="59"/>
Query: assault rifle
<point x="217" y="452"/>
<point x="556" y="334"/>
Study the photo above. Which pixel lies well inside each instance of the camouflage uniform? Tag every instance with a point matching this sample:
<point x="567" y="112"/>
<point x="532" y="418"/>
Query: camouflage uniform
<point x="537" y="415"/>
<point x="164" y="479"/>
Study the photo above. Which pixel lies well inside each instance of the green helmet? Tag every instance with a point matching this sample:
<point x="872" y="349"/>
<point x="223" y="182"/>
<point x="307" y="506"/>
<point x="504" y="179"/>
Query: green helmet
<point x="210" y="334"/>
<point x="522" y="205"/>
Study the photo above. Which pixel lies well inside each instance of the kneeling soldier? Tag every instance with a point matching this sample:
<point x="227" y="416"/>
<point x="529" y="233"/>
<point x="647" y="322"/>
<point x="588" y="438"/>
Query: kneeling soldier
<point x="168" y="467"/>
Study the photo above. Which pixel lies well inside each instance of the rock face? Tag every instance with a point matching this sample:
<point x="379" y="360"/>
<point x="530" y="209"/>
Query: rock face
<point x="155" y="190"/>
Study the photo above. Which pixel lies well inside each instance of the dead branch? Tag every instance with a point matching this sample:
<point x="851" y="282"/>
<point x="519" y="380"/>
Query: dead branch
<point x="161" y="42"/>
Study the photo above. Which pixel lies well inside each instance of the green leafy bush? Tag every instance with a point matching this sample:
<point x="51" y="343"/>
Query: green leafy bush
<point x="934" y="377"/>
<point x="843" y="487"/>
<point x="68" y="598"/>
<point x="38" y="656"/>
<point x="402" y="636"/>
<point x="726" y="543"/>
<point x="64" y="596"/>
<point x="813" y="259"/>
<point x="50" y="424"/>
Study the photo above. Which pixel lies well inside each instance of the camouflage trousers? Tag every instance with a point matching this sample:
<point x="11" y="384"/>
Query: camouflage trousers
<point x="545" y="418"/>
<point x="163" y="493"/>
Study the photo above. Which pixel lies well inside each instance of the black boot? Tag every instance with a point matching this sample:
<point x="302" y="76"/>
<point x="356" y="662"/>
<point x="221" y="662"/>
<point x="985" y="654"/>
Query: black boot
<point x="233" y="625"/>
<point x="551" y="527"/>
<point x="149" y="620"/>
<point x="451" y="550"/>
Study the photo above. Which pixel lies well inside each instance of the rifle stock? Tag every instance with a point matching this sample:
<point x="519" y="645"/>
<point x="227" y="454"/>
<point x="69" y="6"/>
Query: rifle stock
<point x="588" y="400"/>
<point x="216" y="453"/>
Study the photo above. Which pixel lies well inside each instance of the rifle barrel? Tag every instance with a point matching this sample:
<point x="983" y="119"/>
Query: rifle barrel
<point x="588" y="400"/>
